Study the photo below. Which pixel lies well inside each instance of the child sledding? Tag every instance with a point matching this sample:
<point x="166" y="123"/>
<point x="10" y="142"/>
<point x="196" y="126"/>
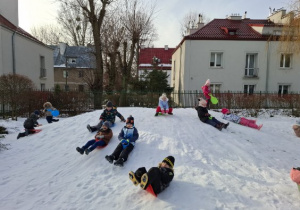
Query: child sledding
<point x="101" y="140"/>
<point x="30" y="123"/>
<point x="157" y="178"/>
<point x="108" y="115"/>
<point x="205" y="117"/>
<point x="128" y="135"/>
<point x="227" y="115"/>
<point x="48" y="109"/>
<point x="163" y="105"/>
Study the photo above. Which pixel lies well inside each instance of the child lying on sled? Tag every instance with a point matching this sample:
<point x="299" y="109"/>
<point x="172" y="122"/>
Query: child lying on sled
<point x="157" y="178"/>
<point x="227" y="115"/>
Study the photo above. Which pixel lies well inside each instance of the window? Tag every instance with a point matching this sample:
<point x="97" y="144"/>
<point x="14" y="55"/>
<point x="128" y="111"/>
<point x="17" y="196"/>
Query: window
<point x="81" y="88"/>
<point x="65" y="74"/>
<point x="250" y="66"/>
<point x="43" y="87"/>
<point x="71" y="60"/>
<point x="283" y="89"/>
<point x="285" y="60"/>
<point x="215" y="88"/>
<point x="249" y="89"/>
<point x="216" y="59"/>
<point x="42" y="67"/>
<point x="80" y="74"/>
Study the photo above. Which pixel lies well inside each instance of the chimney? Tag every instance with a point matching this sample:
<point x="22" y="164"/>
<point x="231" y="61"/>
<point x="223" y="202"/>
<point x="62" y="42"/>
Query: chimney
<point x="200" y="23"/>
<point x="245" y="15"/>
<point x="166" y="47"/>
<point x="62" y="48"/>
<point x="235" y="17"/>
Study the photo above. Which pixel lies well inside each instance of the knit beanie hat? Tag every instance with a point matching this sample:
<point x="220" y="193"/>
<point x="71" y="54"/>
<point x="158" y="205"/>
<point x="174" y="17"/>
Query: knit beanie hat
<point x="207" y="82"/>
<point x="109" y="104"/>
<point x="130" y="120"/>
<point x="170" y="160"/>
<point x="37" y="112"/>
<point x="224" y="111"/>
<point x="106" y="124"/>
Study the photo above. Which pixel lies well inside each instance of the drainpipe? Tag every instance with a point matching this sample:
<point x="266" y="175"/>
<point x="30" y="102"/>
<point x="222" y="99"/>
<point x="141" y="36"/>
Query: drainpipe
<point x="268" y="67"/>
<point x="13" y="53"/>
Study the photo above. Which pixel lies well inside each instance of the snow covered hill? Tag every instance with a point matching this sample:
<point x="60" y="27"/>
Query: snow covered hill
<point x="237" y="168"/>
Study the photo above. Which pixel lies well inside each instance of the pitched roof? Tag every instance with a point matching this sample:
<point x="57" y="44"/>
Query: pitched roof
<point x="218" y="29"/>
<point x="84" y="56"/>
<point x="146" y="55"/>
<point x="7" y="24"/>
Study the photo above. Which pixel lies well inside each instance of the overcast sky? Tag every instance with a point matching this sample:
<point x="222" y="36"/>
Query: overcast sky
<point x="167" y="18"/>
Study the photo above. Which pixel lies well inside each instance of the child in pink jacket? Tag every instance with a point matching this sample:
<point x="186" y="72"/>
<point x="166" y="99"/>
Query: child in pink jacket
<point x="206" y="91"/>
<point x="239" y="120"/>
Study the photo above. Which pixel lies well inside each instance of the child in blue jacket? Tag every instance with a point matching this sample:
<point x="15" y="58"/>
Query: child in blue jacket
<point x="128" y="135"/>
<point x="163" y="105"/>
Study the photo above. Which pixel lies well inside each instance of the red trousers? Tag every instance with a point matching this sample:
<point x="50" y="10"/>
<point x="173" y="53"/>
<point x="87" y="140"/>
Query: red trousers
<point x="158" y="109"/>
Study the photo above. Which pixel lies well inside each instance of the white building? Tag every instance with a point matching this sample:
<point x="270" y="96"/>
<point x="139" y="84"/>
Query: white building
<point x="21" y="53"/>
<point x="236" y="54"/>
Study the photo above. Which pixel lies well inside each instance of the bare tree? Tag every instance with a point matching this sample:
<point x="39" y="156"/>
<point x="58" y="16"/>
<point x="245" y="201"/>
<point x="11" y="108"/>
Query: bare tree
<point x="48" y="34"/>
<point x="190" y="21"/>
<point x="290" y="36"/>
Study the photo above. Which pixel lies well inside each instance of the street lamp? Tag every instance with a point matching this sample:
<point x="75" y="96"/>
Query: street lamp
<point x="67" y="74"/>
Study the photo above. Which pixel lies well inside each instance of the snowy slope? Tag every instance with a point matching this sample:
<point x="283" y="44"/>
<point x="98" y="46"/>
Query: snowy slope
<point x="237" y="168"/>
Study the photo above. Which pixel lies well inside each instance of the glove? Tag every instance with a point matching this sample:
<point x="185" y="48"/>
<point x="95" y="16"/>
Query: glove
<point x="125" y="143"/>
<point x="100" y="137"/>
<point x="123" y="120"/>
<point x="207" y="114"/>
<point x="210" y="117"/>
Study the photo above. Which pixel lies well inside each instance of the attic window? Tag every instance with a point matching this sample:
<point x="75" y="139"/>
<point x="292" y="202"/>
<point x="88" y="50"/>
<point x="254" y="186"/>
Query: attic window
<point x="229" y="31"/>
<point x="72" y="60"/>
<point x="232" y="32"/>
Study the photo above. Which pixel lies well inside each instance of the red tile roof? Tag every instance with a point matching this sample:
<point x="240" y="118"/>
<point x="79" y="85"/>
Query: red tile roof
<point x="7" y="24"/>
<point x="218" y="29"/>
<point x="146" y="55"/>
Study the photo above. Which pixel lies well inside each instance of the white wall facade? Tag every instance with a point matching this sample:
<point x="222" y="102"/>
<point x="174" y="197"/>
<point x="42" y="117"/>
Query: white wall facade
<point x="191" y="66"/>
<point x="27" y="58"/>
<point x="9" y="9"/>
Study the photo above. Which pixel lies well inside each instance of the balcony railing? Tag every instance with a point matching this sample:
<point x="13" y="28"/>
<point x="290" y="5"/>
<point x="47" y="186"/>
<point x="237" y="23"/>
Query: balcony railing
<point x="251" y="72"/>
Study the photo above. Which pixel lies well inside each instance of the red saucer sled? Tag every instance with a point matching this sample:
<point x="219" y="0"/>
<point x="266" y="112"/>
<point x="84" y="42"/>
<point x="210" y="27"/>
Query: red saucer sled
<point x="149" y="189"/>
<point x="101" y="147"/>
<point x="35" y="130"/>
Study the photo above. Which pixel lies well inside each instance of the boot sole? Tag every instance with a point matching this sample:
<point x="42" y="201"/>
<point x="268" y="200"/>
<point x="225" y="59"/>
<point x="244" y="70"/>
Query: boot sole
<point x="144" y="181"/>
<point x="132" y="178"/>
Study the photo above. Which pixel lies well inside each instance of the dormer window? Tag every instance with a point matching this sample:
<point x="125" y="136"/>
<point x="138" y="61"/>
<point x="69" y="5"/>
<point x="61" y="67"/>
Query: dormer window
<point x="72" y="60"/>
<point x="229" y="31"/>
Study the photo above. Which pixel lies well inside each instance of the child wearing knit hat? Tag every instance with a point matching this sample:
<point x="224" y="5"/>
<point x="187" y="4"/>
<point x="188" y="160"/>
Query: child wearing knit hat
<point x="157" y="178"/>
<point x="227" y="115"/>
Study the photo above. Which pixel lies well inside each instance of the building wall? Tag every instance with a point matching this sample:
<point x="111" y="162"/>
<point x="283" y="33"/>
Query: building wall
<point x="27" y="58"/>
<point x="9" y="9"/>
<point x="195" y="68"/>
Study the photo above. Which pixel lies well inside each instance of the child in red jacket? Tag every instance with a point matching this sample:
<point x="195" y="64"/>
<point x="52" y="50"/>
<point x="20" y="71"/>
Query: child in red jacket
<point x="206" y="91"/>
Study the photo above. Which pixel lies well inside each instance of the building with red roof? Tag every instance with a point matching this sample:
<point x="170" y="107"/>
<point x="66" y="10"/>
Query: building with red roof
<point x="237" y="54"/>
<point x="20" y="52"/>
<point x="160" y="58"/>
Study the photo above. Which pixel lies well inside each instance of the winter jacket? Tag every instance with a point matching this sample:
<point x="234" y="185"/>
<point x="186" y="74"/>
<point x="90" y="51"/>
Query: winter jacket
<point x="297" y="129"/>
<point x="206" y="91"/>
<point x="202" y="113"/>
<point x="232" y="117"/>
<point x="163" y="104"/>
<point x="31" y="122"/>
<point x="48" y="108"/>
<point x="107" y="135"/>
<point x="110" y="115"/>
<point x="167" y="175"/>
<point x="129" y="133"/>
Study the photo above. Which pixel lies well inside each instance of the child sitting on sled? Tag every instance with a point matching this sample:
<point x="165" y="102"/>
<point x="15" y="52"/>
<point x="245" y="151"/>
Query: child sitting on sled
<point x="163" y="105"/>
<point x="205" y="117"/>
<point x="30" y="123"/>
<point x="296" y="128"/>
<point x="108" y="115"/>
<point x="48" y="108"/>
<point x="128" y="135"/>
<point x="227" y="115"/>
<point x="101" y="140"/>
<point x="157" y="178"/>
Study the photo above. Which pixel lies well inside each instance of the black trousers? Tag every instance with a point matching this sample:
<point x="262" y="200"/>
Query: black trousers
<point x="122" y="153"/>
<point x="154" y="177"/>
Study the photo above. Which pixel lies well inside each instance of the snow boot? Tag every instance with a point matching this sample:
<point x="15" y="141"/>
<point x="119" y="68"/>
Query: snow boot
<point x="260" y="126"/>
<point x="219" y="127"/>
<point x="81" y="151"/>
<point x="225" y="125"/>
<point x="170" y="113"/>
<point x="133" y="178"/>
<point x="144" y="181"/>
<point x="119" y="162"/>
<point x="87" y="151"/>
<point x="89" y="128"/>
<point x="109" y="158"/>
<point x="156" y="114"/>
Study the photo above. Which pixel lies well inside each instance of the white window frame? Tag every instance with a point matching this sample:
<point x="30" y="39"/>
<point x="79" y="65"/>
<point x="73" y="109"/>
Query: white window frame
<point x="65" y="74"/>
<point x="283" y="62"/>
<point x="215" y="55"/>
<point x="281" y="89"/>
<point x="213" y="87"/>
<point x="251" y="71"/>
<point x="248" y="88"/>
